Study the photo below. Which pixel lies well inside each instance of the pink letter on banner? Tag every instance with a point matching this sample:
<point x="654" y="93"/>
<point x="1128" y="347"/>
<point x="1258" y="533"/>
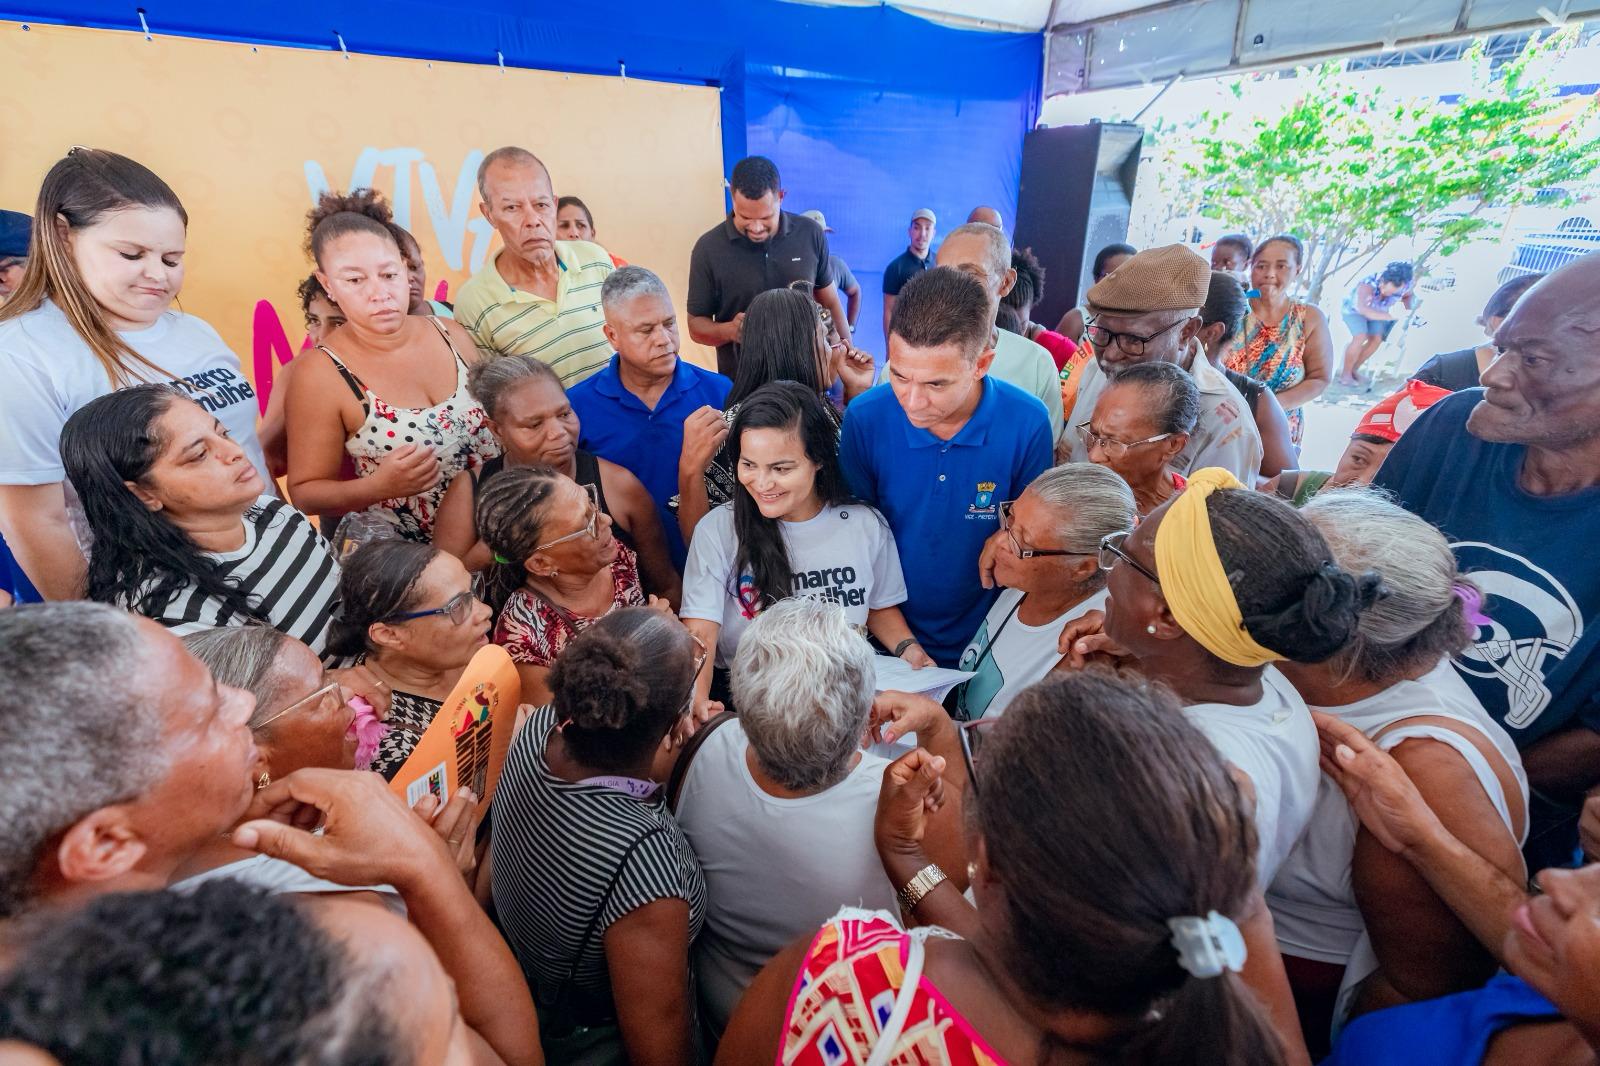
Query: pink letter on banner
<point x="269" y="340"/>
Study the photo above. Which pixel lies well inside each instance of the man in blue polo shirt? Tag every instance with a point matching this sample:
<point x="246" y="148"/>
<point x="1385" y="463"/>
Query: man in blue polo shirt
<point x="1511" y="474"/>
<point x="633" y="411"/>
<point x="938" y="447"/>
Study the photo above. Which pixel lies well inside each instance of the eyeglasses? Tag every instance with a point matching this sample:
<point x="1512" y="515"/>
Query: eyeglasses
<point x="1111" y="552"/>
<point x="1016" y="545"/>
<point x="315" y="697"/>
<point x="457" y="608"/>
<point x="1114" y="449"/>
<point x="590" y="528"/>
<point x="971" y="736"/>
<point x="1131" y="343"/>
<point x="700" y="657"/>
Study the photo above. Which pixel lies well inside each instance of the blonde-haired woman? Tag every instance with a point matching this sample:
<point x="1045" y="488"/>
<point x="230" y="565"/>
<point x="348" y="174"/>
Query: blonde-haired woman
<point x="92" y="314"/>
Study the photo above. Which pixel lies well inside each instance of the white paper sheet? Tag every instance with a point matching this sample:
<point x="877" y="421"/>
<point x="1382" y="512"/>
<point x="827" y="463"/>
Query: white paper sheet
<point x="931" y="681"/>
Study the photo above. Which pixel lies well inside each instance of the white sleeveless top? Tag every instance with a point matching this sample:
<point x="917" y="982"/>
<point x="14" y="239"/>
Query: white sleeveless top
<point x="775" y="868"/>
<point x="1312" y="900"/>
<point x="1274" y="742"/>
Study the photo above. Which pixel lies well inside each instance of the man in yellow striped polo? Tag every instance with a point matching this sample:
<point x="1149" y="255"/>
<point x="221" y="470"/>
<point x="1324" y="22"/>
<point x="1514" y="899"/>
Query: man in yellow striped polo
<point x="537" y="296"/>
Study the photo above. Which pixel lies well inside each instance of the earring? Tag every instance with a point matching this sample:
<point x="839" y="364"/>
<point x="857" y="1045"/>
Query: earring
<point x="972" y="872"/>
<point x="263" y="781"/>
<point x="1151" y="629"/>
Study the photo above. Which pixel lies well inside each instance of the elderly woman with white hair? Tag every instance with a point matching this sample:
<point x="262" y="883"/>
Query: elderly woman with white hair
<point x="778" y="802"/>
<point x="1048" y="562"/>
<point x="1356" y="922"/>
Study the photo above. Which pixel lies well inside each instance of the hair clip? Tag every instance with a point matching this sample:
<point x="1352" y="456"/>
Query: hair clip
<point x="1207" y="946"/>
<point x="501" y="559"/>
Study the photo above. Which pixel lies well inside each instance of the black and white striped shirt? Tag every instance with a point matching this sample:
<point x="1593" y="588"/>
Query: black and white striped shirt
<point x="571" y="859"/>
<point x="284" y="569"/>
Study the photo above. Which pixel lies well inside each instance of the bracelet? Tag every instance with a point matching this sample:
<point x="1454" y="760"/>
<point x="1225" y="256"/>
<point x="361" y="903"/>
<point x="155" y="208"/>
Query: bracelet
<point x="900" y="648"/>
<point x="922" y="882"/>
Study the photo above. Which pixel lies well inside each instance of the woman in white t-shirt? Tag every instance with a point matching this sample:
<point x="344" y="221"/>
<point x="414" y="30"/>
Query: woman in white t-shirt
<point x="93" y="314"/>
<point x="1214" y="586"/>
<point x="1048" y="566"/>
<point x="791" y="531"/>
<point x="1359" y="928"/>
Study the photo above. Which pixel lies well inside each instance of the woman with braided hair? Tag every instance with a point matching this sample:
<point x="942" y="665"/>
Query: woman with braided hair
<point x="557" y="567"/>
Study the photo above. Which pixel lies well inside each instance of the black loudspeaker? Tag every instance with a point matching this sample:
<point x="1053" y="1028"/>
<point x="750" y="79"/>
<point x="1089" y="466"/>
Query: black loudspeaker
<point x="1077" y="189"/>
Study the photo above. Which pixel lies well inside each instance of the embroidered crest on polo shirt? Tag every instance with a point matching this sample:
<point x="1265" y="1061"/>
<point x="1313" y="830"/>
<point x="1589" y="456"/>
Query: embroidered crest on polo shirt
<point x="983" y="504"/>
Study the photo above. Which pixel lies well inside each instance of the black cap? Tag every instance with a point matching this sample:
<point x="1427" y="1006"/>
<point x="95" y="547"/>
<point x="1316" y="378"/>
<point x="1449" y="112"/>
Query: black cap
<point x="15" y="229"/>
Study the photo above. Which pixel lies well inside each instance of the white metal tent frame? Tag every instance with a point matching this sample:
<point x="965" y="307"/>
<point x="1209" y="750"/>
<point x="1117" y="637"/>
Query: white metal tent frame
<point x="1171" y="39"/>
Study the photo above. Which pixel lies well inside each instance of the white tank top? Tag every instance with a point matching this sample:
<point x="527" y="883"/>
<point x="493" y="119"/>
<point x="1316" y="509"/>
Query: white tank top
<point x="775" y="868"/>
<point x="1312" y="900"/>
<point x="1274" y="742"/>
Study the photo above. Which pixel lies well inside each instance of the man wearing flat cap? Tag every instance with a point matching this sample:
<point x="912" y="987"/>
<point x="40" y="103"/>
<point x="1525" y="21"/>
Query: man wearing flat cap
<point x="1148" y="310"/>
<point x="15" y="229"/>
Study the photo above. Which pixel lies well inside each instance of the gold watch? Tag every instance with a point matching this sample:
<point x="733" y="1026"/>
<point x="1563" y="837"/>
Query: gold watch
<point x="924" y="881"/>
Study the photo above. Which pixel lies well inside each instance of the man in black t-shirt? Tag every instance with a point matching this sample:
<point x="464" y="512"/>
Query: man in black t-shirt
<point x="917" y="257"/>
<point x="759" y="246"/>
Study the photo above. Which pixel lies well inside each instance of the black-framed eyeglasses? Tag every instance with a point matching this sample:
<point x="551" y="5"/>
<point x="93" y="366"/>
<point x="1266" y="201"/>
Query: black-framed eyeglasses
<point x="1016" y="545"/>
<point x="590" y="528"/>
<point x="1113" y="448"/>
<point x="971" y="736"/>
<point x="457" y="608"/>
<point x="1112" y="552"/>
<point x="1131" y="343"/>
<point x="328" y="687"/>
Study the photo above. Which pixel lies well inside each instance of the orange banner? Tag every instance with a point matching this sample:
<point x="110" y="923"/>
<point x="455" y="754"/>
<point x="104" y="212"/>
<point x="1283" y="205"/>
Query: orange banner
<point x="249" y="135"/>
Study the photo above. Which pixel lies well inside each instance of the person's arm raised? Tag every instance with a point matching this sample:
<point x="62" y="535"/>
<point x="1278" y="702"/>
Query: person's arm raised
<point x="703" y="433"/>
<point x="370" y="837"/>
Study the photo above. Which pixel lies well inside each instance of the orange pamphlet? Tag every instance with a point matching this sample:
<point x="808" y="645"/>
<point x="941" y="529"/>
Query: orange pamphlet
<point x="467" y="741"/>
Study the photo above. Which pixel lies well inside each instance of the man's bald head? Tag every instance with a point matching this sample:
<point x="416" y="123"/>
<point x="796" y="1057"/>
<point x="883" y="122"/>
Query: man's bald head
<point x="988" y="216"/>
<point x="510" y="157"/>
<point x="1544" y="388"/>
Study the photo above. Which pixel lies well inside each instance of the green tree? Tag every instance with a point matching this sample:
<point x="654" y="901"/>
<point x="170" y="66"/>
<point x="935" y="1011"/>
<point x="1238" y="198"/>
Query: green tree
<point x="1349" y="169"/>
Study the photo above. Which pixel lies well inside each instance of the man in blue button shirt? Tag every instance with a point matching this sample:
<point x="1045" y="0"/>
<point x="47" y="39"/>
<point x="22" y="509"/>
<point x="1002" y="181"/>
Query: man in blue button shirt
<point x="1511" y="474"/>
<point x="633" y="411"/>
<point x="938" y="447"/>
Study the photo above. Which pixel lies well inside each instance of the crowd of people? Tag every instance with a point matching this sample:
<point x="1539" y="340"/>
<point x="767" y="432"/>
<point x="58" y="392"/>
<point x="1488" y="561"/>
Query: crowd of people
<point x="1244" y="763"/>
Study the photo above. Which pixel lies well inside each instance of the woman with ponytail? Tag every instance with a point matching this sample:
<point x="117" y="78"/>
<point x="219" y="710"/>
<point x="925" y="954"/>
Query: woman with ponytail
<point x="185" y="531"/>
<point x="1359" y="927"/>
<point x="595" y="886"/>
<point x="557" y="567"/>
<point x="93" y="313"/>
<point x="1106" y="921"/>
<point x="388" y="388"/>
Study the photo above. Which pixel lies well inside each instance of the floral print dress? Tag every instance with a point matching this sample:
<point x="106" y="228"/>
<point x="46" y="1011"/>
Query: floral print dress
<point x="456" y="428"/>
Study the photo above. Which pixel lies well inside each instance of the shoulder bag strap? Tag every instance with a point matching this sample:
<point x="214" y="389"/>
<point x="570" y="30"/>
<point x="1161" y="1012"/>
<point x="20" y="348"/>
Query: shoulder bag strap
<point x="680" y="769"/>
<point x="889" y="1035"/>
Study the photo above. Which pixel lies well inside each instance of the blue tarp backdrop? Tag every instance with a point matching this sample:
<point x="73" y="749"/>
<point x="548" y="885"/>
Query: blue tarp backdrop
<point x="869" y="112"/>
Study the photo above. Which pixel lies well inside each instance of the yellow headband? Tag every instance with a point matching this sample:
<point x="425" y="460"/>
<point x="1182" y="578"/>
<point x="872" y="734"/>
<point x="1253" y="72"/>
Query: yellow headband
<point x="1193" y="579"/>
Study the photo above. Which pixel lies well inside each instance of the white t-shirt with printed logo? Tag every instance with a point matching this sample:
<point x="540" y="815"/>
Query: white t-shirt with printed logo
<point x="1007" y="655"/>
<point x="845" y="555"/>
<point x="48" y="372"/>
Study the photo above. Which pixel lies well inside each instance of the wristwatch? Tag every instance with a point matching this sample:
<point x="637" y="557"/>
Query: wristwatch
<point x="922" y="882"/>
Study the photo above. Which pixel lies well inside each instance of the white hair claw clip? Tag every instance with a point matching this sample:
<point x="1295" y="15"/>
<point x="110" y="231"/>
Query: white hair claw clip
<point x="1207" y="946"/>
